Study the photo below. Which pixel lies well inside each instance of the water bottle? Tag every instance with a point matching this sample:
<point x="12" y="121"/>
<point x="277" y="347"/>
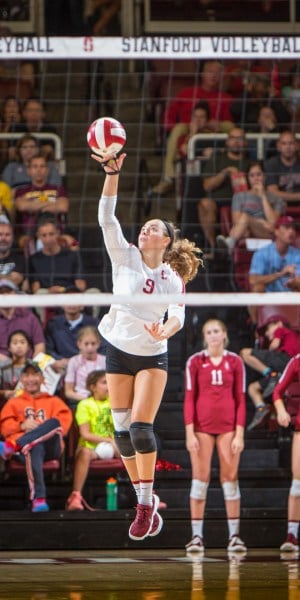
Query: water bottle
<point x="111" y="494"/>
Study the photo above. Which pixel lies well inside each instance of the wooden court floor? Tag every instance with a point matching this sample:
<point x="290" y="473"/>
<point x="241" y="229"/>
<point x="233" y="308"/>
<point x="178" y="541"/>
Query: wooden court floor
<point x="148" y="575"/>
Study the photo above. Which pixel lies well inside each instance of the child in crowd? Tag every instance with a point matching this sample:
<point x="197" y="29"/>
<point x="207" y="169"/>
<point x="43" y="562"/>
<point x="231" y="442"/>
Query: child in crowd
<point x="93" y="416"/>
<point x="19" y="345"/>
<point x="283" y="344"/>
<point x="80" y="365"/>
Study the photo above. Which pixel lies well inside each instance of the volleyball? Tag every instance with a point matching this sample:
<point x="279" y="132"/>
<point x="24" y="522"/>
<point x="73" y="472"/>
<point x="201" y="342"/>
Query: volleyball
<point x="106" y="136"/>
<point x="105" y="450"/>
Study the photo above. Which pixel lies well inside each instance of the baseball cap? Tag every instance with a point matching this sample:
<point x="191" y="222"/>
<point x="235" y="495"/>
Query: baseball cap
<point x="272" y="319"/>
<point x="286" y="221"/>
<point x="32" y="364"/>
<point x="8" y="284"/>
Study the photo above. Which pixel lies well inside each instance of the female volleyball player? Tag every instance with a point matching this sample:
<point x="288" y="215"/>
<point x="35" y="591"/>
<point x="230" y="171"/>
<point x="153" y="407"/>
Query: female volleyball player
<point x="214" y="414"/>
<point x="289" y="375"/>
<point x="136" y="336"/>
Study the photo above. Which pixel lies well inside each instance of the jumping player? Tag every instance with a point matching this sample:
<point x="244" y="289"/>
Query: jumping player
<point x="214" y="414"/>
<point x="291" y="373"/>
<point x="136" y="336"/>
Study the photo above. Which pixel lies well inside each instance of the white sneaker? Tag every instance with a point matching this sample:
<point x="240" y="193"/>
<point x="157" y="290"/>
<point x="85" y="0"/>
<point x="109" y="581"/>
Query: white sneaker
<point x="225" y="244"/>
<point x="222" y="243"/>
<point x="236" y="544"/>
<point x="290" y="544"/>
<point x="195" y="545"/>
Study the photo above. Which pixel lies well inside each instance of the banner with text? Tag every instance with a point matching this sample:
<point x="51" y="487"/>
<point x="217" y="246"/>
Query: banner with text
<point x="25" y="47"/>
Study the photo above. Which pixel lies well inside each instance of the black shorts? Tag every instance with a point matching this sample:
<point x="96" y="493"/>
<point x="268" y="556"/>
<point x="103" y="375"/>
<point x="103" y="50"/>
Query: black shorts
<point x="123" y="363"/>
<point x="274" y="359"/>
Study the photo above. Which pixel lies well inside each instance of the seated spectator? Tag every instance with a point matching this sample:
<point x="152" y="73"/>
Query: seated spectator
<point x="177" y="146"/>
<point x="19" y="345"/>
<point x="10" y="116"/>
<point x="267" y="123"/>
<point x="179" y="110"/>
<point x="254" y="213"/>
<point x="290" y="374"/>
<point x="61" y="332"/>
<point x="36" y="198"/>
<point x="274" y="267"/>
<point x="6" y="201"/>
<point x="12" y="263"/>
<point x="33" y="121"/>
<point x="16" y="173"/>
<point x="54" y="268"/>
<point x="96" y="429"/>
<point x="258" y="93"/>
<point x="80" y="365"/>
<point x="283" y="170"/>
<point x="33" y="424"/>
<point x="178" y="114"/>
<point x="283" y="343"/>
<point x="15" y="318"/>
<point x="219" y="182"/>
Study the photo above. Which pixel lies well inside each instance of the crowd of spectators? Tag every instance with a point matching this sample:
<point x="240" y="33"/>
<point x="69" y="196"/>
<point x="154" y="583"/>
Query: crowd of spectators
<point x="241" y="100"/>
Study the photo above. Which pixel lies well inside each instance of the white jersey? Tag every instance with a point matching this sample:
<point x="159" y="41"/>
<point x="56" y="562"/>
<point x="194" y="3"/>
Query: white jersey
<point x="123" y="325"/>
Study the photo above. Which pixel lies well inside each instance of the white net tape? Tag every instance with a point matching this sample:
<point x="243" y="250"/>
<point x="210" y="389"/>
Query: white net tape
<point x="196" y="299"/>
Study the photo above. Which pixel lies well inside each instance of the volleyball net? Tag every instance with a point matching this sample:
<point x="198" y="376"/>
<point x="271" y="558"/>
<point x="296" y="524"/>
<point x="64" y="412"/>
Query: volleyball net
<point x="190" y="299"/>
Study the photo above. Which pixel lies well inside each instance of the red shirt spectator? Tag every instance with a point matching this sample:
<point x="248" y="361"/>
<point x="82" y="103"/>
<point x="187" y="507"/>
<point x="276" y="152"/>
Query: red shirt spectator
<point x="39" y="197"/>
<point x="180" y="109"/>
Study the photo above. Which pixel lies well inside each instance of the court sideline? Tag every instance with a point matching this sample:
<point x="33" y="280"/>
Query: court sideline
<point x="262" y="574"/>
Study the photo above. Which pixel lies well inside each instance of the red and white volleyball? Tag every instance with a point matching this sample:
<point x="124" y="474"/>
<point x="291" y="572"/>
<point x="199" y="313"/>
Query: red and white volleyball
<point x="106" y="136"/>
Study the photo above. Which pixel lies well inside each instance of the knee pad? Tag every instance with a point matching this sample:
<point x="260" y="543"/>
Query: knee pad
<point x="121" y="418"/>
<point x="198" y="489"/>
<point x="123" y="441"/>
<point x="142" y="437"/>
<point x="231" y="490"/>
<point x="295" y="487"/>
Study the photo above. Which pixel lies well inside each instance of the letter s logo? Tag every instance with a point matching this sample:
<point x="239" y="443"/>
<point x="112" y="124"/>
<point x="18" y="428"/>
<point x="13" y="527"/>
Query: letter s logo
<point x="88" y="44"/>
<point x="149" y="286"/>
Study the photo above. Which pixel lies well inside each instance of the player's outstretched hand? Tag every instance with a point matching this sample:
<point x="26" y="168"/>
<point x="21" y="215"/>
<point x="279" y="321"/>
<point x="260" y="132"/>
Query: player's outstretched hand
<point x="157" y="331"/>
<point x="110" y="163"/>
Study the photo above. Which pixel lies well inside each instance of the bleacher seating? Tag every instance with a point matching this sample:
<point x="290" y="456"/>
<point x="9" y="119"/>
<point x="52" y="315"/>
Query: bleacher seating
<point x="290" y="312"/>
<point x="50" y="466"/>
<point x="12" y="86"/>
<point x="101" y="467"/>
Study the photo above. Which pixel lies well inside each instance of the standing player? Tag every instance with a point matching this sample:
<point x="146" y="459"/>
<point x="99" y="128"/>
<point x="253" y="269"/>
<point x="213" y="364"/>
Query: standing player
<point x="214" y="414"/>
<point x="136" y="336"/>
<point x="291" y="373"/>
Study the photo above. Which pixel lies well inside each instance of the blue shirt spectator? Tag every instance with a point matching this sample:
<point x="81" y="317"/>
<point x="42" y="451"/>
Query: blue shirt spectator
<point x="275" y="267"/>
